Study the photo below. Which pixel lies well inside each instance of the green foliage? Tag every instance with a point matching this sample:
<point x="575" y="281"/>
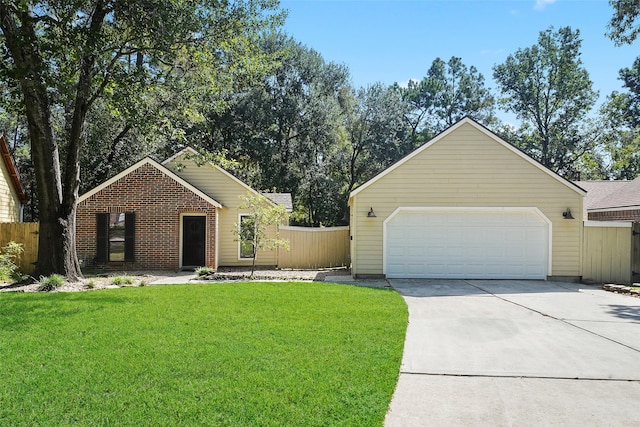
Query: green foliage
<point x="547" y="88"/>
<point x="50" y="283"/>
<point x="449" y="92"/>
<point x="131" y="68"/>
<point x="121" y="280"/>
<point x="261" y="227"/>
<point x="204" y="271"/>
<point x="9" y="258"/>
<point x="623" y="26"/>
<point x="286" y="354"/>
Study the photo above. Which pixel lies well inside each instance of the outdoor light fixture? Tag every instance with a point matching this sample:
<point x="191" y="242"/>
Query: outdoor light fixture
<point x="371" y="213"/>
<point x="567" y="214"/>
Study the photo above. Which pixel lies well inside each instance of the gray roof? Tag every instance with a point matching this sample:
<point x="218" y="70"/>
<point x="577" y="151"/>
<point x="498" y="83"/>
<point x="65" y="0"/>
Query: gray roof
<point x="281" y="199"/>
<point x="611" y="194"/>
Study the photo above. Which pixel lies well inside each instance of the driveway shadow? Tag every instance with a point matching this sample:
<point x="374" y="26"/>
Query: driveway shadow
<point x="627" y="312"/>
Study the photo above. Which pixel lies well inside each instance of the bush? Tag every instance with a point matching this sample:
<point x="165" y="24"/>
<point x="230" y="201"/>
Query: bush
<point x="204" y="271"/>
<point x="9" y="257"/>
<point x="50" y="283"/>
<point x="121" y="280"/>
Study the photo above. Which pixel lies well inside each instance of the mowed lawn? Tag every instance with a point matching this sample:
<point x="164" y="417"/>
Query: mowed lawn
<point x="235" y="354"/>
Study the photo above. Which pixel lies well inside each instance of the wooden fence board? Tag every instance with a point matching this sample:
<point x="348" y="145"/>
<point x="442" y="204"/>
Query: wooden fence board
<point x="314" y="247"/>
<point x="607" y="252"/>
<point x="25" y="233"/>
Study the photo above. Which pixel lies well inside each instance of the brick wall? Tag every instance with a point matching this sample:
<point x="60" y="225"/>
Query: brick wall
<point x="630" y="215"/>
<point x="158" y="202"/>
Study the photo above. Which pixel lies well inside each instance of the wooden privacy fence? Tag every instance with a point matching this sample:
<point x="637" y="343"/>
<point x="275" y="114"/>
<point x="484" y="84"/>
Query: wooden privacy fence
<point x="314" y="247"/>
<point x="611" y="251"/>
<point x="25" y="233"/>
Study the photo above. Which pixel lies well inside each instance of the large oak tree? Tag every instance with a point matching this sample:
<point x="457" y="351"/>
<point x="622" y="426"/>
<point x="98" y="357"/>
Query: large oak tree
<point x="61" y="57"/>
<point x="547" y="88"/>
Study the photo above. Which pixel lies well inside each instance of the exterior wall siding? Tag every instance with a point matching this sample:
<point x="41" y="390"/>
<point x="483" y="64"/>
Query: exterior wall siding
<point x="466" y="168"/>
<point x="617" y="215"/>
<point x="9" y="201"/>
<point x="158" y="202"/>
<point x="226" y="191"/>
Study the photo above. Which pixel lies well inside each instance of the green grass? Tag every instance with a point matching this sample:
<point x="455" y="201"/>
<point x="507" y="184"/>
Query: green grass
<point x="249" y="354"/>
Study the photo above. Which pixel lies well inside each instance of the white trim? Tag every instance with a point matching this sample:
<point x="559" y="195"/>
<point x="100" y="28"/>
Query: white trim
<point x="241" y="258"/>
<point x="190" y="150"/>
<point x="159" y="167"/>
<point x="313" y="229"/>
<point x="216" y="253"/>
<point x="609" y="224"/>
<point x="533" y="209"/>
<point x="488" y="133"/>
<point x="617" y="209"/>
<point x="181" y="238"/>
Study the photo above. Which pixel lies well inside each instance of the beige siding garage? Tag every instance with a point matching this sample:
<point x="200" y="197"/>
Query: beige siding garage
<point x="466" y="166"/>
<point x="225" y="189"/>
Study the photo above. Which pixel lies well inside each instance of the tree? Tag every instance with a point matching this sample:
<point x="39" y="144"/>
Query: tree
<point x="623" y="26"/>
<point x="62" y="57"/>
<point x="283" y="129"/>
<point x="449" y="92"/>
<point x="547" y="88"/>
<point x="259" y="229"/>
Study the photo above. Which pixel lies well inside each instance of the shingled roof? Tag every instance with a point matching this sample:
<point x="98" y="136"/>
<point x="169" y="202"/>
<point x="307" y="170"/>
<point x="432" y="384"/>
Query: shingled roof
<point x="281" y="199"/>
<point x="611" y="194"/>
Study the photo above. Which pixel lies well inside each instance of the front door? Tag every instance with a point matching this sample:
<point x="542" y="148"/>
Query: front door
<point x="193" y="241"/>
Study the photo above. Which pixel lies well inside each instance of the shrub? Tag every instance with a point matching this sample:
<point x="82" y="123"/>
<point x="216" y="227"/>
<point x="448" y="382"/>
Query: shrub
<point x="50" y="283"/>
<point x="204" y="271"/>
<point x="9" y="257"/>
<point x="121" y="280"/>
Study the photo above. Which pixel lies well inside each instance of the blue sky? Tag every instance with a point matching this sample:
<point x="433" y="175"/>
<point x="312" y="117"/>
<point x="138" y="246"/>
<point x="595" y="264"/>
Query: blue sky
<point x="397" y="40"/>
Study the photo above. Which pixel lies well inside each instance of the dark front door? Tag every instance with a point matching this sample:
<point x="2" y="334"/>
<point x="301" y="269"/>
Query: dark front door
<point x="193" y="238"/>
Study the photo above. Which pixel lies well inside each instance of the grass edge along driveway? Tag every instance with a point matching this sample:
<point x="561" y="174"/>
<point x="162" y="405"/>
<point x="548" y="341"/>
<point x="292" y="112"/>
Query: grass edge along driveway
<point x="231" y="354"/>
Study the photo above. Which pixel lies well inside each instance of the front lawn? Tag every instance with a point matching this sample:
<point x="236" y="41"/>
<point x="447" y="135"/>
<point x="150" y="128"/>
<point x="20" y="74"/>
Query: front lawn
<point x="233" y="354"/>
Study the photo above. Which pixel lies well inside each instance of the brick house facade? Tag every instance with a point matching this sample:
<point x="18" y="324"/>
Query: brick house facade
<point x="154" y="204"/>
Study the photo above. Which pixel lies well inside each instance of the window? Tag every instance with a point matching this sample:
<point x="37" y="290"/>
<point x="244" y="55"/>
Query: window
<point x="115" y="236"/>
<point x="247" y="233"/>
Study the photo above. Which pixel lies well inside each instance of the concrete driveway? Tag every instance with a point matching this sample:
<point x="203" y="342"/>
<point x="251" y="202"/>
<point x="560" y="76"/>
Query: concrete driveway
<point x="517" y="353"/>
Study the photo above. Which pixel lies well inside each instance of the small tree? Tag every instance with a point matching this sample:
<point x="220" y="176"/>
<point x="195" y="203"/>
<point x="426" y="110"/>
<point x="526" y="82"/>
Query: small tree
<point x="251" y="231"/>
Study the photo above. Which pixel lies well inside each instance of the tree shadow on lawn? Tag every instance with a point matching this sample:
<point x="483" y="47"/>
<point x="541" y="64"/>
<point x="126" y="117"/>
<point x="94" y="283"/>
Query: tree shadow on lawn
<point x="627" y="312"/>
<point x="18" y="310"/>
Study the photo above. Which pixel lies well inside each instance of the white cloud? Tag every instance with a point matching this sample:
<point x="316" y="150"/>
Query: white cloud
<point x="541" y="4"/>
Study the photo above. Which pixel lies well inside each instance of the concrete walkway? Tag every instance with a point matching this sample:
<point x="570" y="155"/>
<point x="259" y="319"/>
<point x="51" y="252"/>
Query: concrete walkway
<point x="511" y="353"/>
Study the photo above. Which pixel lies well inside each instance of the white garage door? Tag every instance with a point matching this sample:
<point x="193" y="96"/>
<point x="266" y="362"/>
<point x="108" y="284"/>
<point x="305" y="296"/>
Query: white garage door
<point x="471" y="243"/>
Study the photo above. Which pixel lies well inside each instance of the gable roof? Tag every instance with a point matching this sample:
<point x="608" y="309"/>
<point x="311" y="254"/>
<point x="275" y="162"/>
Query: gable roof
<point x="487" y="132"/>
<point x="283" y="199"/>
<point x="193" y="152"/>
<point x="159" y="167"/>
<point x="11" y="168"/>
<point x="614" y="194"/>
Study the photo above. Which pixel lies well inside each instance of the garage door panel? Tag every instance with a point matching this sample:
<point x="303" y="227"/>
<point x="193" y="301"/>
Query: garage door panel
<point x="467" y="244"/>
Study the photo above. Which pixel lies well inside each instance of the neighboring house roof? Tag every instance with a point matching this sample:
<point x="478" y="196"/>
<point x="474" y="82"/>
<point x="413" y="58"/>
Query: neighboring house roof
<point x="598" y="191"/>
<point x="481" y="128"/>
<point x="193" y="152"/>
<point x="613" y="194"/>
<point x="13" y="172"/>
<point x="158" y="166"/>
<point x="281" y="199"/>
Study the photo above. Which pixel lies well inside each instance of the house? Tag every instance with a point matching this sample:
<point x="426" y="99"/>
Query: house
<point x="612" y="200"/>
<point x="172" y="215"/>
<point x="12" y="196"/>
<point x="467" y="204"/>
